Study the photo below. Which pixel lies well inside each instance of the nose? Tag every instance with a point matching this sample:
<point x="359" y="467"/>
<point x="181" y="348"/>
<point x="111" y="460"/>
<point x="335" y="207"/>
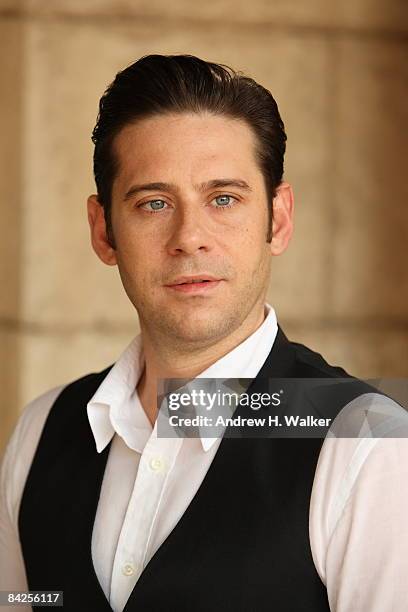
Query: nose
<point x="190" y="232"/>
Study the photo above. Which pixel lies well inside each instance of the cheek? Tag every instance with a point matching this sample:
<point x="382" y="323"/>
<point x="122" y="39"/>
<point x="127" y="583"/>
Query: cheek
<point x="132" y="243"/>
<point x="139" y="262"/>
<point x="252" y="251"/>
<point x="249" y="239"/>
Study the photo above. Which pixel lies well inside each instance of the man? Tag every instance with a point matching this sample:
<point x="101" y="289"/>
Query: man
<point x="191" y="207"/>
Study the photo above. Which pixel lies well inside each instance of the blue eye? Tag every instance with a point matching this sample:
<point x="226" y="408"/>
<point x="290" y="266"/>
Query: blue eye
<point x="155" y="205"/>
<point x="223" y="201"/>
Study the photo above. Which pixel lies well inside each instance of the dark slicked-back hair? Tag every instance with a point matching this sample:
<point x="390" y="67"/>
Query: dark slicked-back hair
<point x="160" y="84"/>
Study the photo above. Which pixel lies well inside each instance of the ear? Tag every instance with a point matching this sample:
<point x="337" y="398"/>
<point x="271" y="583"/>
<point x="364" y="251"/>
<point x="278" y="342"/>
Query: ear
<point x="282" y="218"/>
<point x="99" y="238"/>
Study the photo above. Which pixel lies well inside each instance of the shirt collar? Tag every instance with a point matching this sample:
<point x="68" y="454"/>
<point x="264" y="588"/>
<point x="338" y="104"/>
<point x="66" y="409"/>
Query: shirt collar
<point x="108" y="409"/>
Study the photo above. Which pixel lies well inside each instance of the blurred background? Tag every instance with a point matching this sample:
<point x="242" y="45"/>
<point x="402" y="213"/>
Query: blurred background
<point x="338" y="70"/>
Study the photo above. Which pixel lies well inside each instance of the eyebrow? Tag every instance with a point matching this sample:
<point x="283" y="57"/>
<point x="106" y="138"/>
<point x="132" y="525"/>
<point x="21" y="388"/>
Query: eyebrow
<point x="213" y="184"/>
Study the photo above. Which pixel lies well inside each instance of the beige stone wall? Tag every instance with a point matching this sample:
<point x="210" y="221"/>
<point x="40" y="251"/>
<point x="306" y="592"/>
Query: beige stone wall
<point x="339" y="73"/>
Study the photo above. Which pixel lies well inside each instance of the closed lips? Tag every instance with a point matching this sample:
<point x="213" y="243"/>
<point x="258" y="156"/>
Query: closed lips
<point x="204" y="280"/>
<point x="194" y="279"/>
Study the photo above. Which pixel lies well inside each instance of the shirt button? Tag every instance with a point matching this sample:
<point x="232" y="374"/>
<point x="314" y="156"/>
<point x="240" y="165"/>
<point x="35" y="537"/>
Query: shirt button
<point x="156" y="464"/>
<point x="128" y="569"/>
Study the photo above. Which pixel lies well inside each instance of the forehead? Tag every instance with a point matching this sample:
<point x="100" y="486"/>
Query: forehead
<point x="184" y="146"/>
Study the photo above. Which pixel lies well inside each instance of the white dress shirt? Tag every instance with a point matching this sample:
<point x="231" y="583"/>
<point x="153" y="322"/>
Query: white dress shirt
<point x="358" y="509"/>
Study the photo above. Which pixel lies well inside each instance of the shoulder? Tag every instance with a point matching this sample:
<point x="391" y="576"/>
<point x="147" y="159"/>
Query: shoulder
<point x="73" y="395"/>
<point x="310" y="362"/>
<point x="326" y="389"/>
<point x="22" y="445"/>
<point x="33" y="417"/>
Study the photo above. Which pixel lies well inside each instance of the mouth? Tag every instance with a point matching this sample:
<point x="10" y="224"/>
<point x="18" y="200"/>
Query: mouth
<point x="194" y="284"/>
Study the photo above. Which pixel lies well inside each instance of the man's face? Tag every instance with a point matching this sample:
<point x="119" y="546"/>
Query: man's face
<point x="189" y="200"/>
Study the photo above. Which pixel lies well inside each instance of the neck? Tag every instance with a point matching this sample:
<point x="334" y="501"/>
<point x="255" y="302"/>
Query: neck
<point x="163" y="361"/>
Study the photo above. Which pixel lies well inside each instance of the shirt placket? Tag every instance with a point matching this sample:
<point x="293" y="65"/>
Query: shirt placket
<point x="156" y="463"/>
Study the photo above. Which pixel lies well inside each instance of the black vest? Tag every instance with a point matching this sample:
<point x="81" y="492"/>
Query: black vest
<point x="241" y="546"/>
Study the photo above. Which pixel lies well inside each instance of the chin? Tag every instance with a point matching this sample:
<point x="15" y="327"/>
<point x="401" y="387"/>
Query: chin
<point x="199" y="328"/>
